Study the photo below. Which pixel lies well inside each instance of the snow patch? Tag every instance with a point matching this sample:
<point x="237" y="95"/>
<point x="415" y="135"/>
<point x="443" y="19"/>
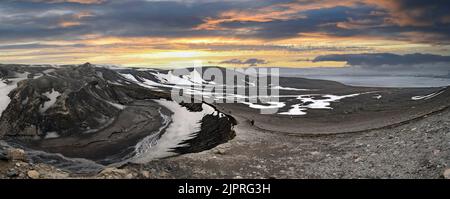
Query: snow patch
<point x="116" y="105"/>
<point x="51" y="135"/>
<point x="425" y="97"/>
<point x="272" y="105"/>
<point x="52" y="95"/>
<point x="323" y="103"/>
<point x="308" y="102"/>
<point x="249" y="83"/>
<point x="169" y="79"/>
<point x="147" y="83"/>
<point x="196" y="78"/>
<point x="295" y="110"/>
<point x="6" y="88"/>
<point x="185" y="124"/>
<point x="289" y="88"/>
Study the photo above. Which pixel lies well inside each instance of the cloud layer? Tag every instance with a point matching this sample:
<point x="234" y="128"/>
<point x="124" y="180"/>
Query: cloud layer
<point x="262" y="19"/>
<point x="385" y="64"/>
<point x="380" y="59"/>
<point x="67" y="31"/>
<point x="249" y="62"/>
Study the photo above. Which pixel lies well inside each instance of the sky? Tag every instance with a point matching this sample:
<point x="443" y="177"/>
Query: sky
<point x="185" y="33"/>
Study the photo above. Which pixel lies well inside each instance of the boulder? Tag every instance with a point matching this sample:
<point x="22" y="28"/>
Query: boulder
<point x="220" y="151"/>
<point x="33" y="174"/>
<point x="11" y="173"/>
<point x="113" y="173"/>
<point x="447" y="174"/>
<point x="16" y="154"/>
<point x="145" y="174"/>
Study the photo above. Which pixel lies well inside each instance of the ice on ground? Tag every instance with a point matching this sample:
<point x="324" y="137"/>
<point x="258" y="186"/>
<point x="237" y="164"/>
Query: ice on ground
<point x="116" y="105"/>
<point x="272" y="105"/>
<point x="53" y="95"/>
<point x="323" y="103"/>
<point x="130" y="77"/>
<point x="169" y="78"/>
<point x="51" y="70"/>
<point x="6" y="88"/>
<point x="51" y="135"/>
<point x="249" y="83"/>
<point x="295" y="110"/>
<point x="425" y="97"/>
<point x="147" y="84"/>
<point x="145" y="145"/>
<point x="185" y="124"/>
<point x="308" y="102"/>
<point x="194" y="78"/>
<point x="289" y="88"/>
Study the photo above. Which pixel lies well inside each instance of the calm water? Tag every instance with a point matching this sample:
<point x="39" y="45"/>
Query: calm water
<point x="384" y="81"/>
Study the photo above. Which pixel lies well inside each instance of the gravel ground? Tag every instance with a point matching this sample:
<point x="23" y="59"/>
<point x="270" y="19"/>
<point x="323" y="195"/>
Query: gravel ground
<point x="418" y="149"/>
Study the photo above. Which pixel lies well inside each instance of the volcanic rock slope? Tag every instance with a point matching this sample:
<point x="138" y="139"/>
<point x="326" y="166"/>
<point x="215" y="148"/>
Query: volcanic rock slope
<point x="97" y="113"/>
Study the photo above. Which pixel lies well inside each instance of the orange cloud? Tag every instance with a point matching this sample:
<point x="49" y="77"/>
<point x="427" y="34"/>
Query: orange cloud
<point x="280" y="11"/>
<point x="66" y="24"/>
<point x="396" y="12"/>
<point x="83" y="14"/>
<point x="75" y="19"/>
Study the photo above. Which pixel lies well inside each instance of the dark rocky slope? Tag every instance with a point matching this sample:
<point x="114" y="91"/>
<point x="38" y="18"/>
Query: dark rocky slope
<point x="89" y="112"/>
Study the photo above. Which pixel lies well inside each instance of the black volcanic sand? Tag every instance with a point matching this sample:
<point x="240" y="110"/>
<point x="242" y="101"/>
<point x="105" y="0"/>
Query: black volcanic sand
<point x="351" y="114"/>
<point x="362" y="137"/>
<point x="114" y="142"/>
<point x="415" y="149"/>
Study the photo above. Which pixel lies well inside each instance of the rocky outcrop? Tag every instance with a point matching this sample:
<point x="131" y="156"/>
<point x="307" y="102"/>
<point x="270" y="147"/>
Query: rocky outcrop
<point x="84" y="98"/>
<point x="16" y="154"/>
<point x="93" y="112"/>
<point x="215" y="130"/>
<point x="33" y="174"/>
<point x="447" y="174"/>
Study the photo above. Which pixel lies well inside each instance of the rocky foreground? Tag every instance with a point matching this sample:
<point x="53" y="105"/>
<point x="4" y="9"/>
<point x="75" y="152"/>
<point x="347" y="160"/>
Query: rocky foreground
<point x="417" y="149"/>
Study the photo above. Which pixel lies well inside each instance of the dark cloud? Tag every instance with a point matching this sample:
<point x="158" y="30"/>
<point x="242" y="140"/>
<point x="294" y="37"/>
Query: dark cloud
<point x="249" y="62"/>
<point x="378" y="64"/>
<point x="420" y="12"/>
<point x="44" y="19"/>
<point x="380" y="59"/>
<point x="35" y="46"/>
<point x="318" y="20"/>
<point x="363" y="20"/>
<point x="39" y="20"/>
<point x="67" y="1"/>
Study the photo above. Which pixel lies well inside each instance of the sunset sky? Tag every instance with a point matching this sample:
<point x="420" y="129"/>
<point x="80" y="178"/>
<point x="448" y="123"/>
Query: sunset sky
<point x="181" y="33"/>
